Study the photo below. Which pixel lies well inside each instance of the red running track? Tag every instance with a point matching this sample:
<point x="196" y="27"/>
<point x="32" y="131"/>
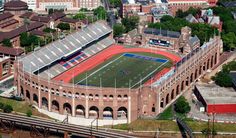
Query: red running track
<point x="99" y="58"/>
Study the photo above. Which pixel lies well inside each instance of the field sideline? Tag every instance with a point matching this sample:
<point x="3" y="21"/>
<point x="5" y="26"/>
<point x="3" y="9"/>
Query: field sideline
<point x="124" y="70"/>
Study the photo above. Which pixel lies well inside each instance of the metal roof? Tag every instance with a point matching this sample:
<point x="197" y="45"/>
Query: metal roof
<point x="63" y="48"/>
<point x="162" y="32"/>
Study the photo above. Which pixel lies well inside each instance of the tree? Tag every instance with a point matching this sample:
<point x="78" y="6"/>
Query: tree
<point x="1" y="105"/>
<point x="100" y="12"/>
<point x="229" y="40"/>
<point x="63" y="26"/>
<point x="7" y="42"/>
<point x="80" y="16"/>
<point x="7" y="108"/>
<point x="29" y="113"/>
<point x="24" y="41"/>
<point x="166" y="18"/>
<point x="130" y="23"/>
<point x="115" y="3"/>
<point x="50" y="11"/>
<point x="83" y="10"/>
<point x="182" y="105"/>
<point x="223" y="79"/>
<point x="118" y="29"/>
<point x="49" y="30"/>
<point x="180" y="14"/>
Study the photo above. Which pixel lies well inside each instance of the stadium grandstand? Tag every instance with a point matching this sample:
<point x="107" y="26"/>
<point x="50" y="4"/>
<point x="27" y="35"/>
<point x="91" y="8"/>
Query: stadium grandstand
<point x="63" y="54"/>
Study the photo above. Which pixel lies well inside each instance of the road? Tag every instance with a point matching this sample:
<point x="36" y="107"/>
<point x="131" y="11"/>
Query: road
<point x="57" y="126"/>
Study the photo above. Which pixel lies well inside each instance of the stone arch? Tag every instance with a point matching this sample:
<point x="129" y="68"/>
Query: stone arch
<point x="122" y="113"/>
<point x="93" y="112"/>
<point x="35" y="99"/>
<point x="44" y="103"/>
<point x="195" y="76"/>
<point x="119" y="97"/>
<point x="107" y="113"/>
<point x="27" y="94"/>
<point x="69" y="94"/>
<point x="191" y="78"/>
<point x="111" y="97"/>
<point x="172" y="94"/>
<point x="212" y="61"/>
<point x="182" y="86"/>
<point x="187" y="81"/>
<point x="208" y="63"/>
<point x="200" y="70"/>
<point x="162" y="103"/>
<point x="21" y="91"/>
<point x="125" y="97"/>
<point x="90" y="96"/>
<point x="77" y="95"/>
<point x="204" y="66"/>
<point x="67" y="108"/>
<point x="55" y="106"/>
<point x="80" y="111"/>
<point x="167" y="98"/>
<point x="96" y="96"/>
<point x="215" y="58"/>
<point x="177" y="90"/>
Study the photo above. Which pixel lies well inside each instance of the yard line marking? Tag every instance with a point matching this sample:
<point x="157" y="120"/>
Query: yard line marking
<point x="100" y="68"/>
<point x="150" y="74"/>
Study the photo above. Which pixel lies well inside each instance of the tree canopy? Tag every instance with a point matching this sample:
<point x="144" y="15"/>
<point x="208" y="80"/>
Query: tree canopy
<point x="28" y="39"/>
<point x="130" y="23"/>
<point x="118" y="29"/>
<point x="80" y="16"/>
<point x="63" y="26"/>
<point x="100" y="12"/>
<point x="7" y="42"/>
<point x="223" y="78"/>
<point x="115" y="3"/>
<point x="182" y="105"/>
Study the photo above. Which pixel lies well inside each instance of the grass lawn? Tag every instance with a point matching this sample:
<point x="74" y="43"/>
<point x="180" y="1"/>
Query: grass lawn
<point x="169" y="125"/>
<point x="166" y="115"/>
<point x="122" y="71"/>
<point x="21" y="106"/>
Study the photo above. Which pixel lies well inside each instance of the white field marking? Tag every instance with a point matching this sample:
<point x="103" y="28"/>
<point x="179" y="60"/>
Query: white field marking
<point x="100" y="68"/>
<point x="150" y="73"/>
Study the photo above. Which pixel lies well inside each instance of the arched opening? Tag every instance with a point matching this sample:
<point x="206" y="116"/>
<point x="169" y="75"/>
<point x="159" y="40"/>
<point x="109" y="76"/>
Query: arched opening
<point x="215" y="58"/>
<point x="208" y="63"/>
<point x="93" y="112"/>
<point x="119" y="97"/>
<point x="55" y="106"/>
<point x="96" y="96"/>
<point x="107" y="113"/>
<point x="21" y="91"/>
<point x="162" y="102"/>
<point x="125" y="97"/>
<point x="212" y="58"/>
<point x="35" y="99"/>
<point x="122" y="113"/>
<point x="110" y="97"/>
<point x="67" y="108"/>
<point x="200" y="70"/>
<point x="191" y="78"/>
<point x="186" y="83"/>
<point x="167" y="98"/>
<point x="196" y="74"/>
<point x="182" y="86"/>
<point x="172" y="94"/>
<point x="27" y="95"/>
<point x="80" y="111"/>
<point x="204" y="66"/>
<point x="177" y="90"/>
<point x="44" y="103"/>
<point x="90" y="97"/>
<point x="76" y="95"/>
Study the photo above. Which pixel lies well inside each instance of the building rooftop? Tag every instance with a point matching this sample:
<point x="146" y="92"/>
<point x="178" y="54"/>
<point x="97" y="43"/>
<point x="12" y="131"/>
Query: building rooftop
<point x="5" y="16"/>
<point x="4" y="58"/>
<point x="18" y="31"/>
<point x="166" y="33"/>
<point x="26" y="15"/>
<point x="69" y="20"/>
<point x="214" y="94"/>
<point x="11" y="51"/>
<point x="43" y="19"/>
<point x="15" y="3"/>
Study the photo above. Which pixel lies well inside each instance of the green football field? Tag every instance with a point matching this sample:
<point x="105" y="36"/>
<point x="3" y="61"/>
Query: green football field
<point x="122" y="72"/>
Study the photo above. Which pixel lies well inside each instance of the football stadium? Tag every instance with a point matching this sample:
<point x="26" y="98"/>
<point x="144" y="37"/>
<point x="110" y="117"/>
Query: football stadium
<point x="87" y="75"/>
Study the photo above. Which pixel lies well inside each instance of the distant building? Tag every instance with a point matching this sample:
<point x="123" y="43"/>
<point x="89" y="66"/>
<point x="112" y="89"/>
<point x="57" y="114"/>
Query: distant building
<point x="16" y="7"/>
<point x="7" y="21"/>
<point x="67" y="6"/>
<point x="216" y="99"/>
<point x="13" y="53"/>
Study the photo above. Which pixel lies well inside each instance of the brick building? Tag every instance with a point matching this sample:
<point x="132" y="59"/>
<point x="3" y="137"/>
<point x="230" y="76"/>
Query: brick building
<point x="5" y="68"/>
<point x="90" y="102"/>
<point x="16" y="7"/>
<point x="7" y="21"/>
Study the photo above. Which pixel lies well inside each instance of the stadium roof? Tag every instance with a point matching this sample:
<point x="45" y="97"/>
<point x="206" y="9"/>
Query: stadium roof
<point x="162" y="32"/>
<point x="65" y="47"/>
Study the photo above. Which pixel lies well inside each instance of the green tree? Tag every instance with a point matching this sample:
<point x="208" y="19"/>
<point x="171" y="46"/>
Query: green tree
<point x="24" y="40"/>
<point x="49" y="30"/>
<point x="83" y="10"/>
<point x="80" y="16"/>
<point x="1" y="105"/>
<point x="180" y="14"/>
<point x="118" y="29"/>
<point x="229" y="40"/>
<point x="7" y="42"/>
<point x="100" y="12"/>
<point x="29" y="113"/>
<point x="7" y="108"/>
<point x="63" y="26"/>
<point x="166" y="18"/>
<point x="182" y="105"/>
<point x="130" y="23"/>
<point x="115" y="3"/>
<point x="50" y="11"/>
